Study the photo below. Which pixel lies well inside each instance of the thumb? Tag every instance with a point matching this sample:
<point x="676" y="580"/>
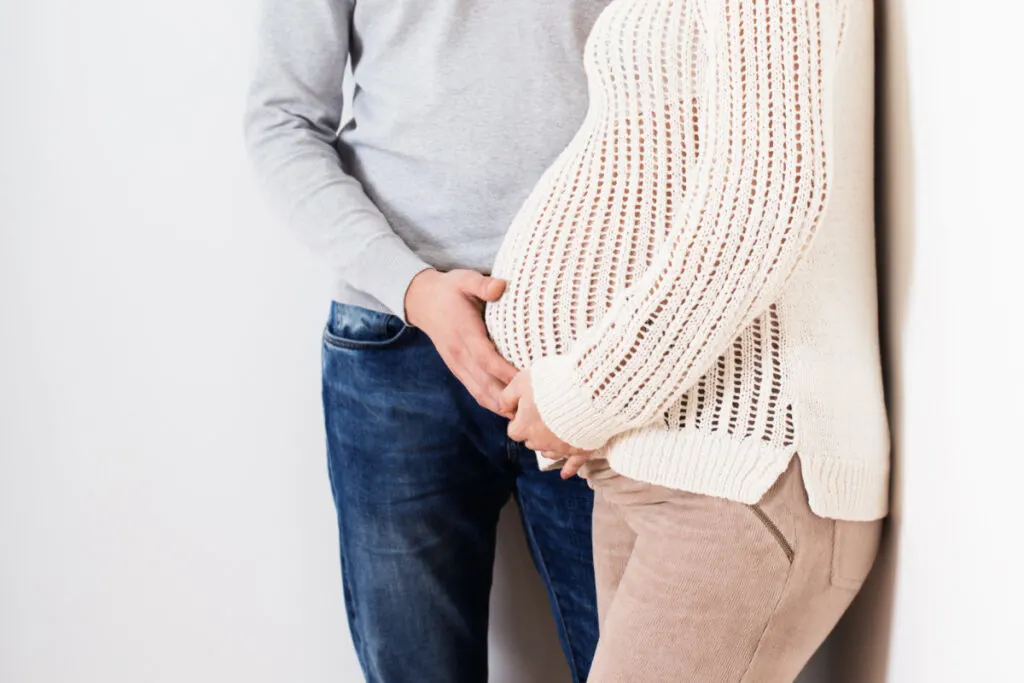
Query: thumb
<point x="485" y="288"/>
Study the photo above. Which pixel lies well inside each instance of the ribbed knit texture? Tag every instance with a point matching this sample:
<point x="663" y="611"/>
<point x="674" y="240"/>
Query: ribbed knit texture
<point x="652" y="288"/>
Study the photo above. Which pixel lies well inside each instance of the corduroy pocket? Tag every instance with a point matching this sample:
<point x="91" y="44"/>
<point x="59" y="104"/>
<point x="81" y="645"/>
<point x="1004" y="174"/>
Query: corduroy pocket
<point x="854" y="547"/>
<point x="772" y="528"/>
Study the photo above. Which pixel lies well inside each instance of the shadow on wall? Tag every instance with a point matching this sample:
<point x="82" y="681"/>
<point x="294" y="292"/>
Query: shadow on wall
<point x="858" y="650"/>
<point x="524" y="645"/>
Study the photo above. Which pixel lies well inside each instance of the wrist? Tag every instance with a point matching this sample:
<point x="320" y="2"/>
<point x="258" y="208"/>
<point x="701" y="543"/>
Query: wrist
<point x="416" y="293"/>
<point x="567" y="407"/>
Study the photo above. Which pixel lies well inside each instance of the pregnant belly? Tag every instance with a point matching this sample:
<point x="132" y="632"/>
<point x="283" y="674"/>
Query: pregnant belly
<point x="580" y="239"/>
<point x="593" y="222"/>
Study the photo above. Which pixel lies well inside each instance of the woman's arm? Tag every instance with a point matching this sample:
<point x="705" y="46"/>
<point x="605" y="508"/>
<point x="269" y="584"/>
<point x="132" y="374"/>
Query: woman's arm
<point x="763" y="175"/>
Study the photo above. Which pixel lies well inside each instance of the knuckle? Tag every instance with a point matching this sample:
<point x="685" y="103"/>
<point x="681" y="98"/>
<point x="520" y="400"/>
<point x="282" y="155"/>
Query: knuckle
<point x="470" y="333"/>
<point x="464" y="278"/>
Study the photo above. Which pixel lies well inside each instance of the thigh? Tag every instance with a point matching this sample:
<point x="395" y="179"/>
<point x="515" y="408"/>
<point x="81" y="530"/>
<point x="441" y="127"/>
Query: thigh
<point x="697" y="593"/>
<point x="613" y="542"/>
<point x="417" y="505"/>
<point x="831" y="560"/>
<point x="557" y="519"/>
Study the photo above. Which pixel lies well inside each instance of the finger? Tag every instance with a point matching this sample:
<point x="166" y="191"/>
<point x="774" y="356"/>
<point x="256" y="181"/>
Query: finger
<point x="516" y="429"/>
<point x="563" y="449"/>
<point x="508" y="403"/>
<point x="510" y="396"/>
<point x="462" y="360"/>
<point x="481" y="393"/>
<point x="484" y="389"/>
<point x="573" y="465"/>
<point x="499" y="368"/>
<point x="483" y="353"/>
<point x="493" y="288"/>
<point x="494" y="390"/>
<point x="490" y="389"/>
<point x="477" y="356"/>
<point x="554" y="455"/>
<point x="484" y="287"/>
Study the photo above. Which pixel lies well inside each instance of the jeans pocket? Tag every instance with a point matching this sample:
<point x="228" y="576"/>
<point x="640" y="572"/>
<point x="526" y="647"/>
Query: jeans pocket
<point x="354" y="328"/>
<point x="854" y="547"/>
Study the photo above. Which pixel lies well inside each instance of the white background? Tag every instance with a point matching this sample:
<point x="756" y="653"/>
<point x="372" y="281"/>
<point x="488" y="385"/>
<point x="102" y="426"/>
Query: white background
<point x="164" y="509"/>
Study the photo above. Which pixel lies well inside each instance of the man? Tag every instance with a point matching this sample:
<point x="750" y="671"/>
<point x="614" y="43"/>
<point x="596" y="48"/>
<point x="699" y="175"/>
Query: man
<point x="459" y="106"/>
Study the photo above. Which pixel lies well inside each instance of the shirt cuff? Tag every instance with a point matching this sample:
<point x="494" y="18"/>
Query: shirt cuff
<point x="567" y="407"/>
<point x="389" y="265"/>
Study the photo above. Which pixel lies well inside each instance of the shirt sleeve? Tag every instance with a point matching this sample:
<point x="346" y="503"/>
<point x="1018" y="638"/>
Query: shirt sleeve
<point x="292" y="119"/>
<point x="736" y="240"/>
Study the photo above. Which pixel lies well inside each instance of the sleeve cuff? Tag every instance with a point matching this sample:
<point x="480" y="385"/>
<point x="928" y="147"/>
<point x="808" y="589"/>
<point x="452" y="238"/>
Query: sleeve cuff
<point x="389" y="265"/>
<point x="567" y="408"/>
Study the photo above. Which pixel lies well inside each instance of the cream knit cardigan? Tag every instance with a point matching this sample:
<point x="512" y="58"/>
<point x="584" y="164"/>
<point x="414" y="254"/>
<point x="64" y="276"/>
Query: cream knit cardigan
<point x="692" y="282"/>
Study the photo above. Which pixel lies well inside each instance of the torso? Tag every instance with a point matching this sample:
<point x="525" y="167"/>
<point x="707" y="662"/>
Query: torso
<point x="611" y="195"/>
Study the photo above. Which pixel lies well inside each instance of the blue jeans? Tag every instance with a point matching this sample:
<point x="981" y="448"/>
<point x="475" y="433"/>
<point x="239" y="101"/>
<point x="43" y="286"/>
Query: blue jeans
<point x="420" y="473"/>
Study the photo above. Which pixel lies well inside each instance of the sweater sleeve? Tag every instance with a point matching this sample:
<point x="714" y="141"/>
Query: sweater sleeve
<point x="762" y="183"/>
<point x="291" y="125"/>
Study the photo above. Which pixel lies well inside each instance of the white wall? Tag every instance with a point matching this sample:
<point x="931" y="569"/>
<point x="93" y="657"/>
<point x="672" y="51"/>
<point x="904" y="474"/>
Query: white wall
<point x="164" y="508"/>
<point x="164" y="512"/>
<point x="945" y="603"/>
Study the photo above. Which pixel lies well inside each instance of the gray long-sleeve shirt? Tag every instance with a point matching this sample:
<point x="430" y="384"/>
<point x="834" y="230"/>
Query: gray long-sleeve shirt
<point x="459" y="106"/>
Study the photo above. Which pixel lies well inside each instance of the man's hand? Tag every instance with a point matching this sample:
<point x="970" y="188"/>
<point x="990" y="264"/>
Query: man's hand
<point x="448" y="307"/>
<point x="528" y="427"/>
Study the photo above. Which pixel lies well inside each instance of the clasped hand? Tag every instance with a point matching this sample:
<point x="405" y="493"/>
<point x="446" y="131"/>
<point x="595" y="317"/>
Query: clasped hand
<point x="517" y="403"/>
<point x="448" y="307"/>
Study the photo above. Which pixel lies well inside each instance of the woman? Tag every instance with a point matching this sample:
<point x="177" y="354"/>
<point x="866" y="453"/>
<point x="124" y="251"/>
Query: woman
<point x="691" y="300"/>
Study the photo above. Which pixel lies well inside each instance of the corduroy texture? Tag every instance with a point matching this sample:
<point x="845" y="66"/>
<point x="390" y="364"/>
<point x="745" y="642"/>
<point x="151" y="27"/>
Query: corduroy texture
<point x="651" y="272"/>
<point x="706" y="590"/>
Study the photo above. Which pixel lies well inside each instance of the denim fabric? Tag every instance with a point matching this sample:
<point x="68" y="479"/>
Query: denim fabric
<point x="419" y="474"/>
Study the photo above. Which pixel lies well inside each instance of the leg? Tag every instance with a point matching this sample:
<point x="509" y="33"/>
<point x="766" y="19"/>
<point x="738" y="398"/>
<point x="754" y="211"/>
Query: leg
<point x="417" y="503"/>
<point x="613" y="545"/>
<point x="613" y="541"/>
<point x="698" y="589"/>
<point x="832" y="559"/>
<point x="557" y="518"/>
<point x="720" y="592"/>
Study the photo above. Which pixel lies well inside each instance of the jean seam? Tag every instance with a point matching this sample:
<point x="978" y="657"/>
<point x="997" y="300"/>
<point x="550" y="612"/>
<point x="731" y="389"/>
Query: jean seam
<point x="348" y="596"/>
<point x="546" y="576"/>
<point x="334" y="341"/>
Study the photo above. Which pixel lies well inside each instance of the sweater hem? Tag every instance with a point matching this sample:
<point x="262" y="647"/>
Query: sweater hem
<point x="743" y="470"/>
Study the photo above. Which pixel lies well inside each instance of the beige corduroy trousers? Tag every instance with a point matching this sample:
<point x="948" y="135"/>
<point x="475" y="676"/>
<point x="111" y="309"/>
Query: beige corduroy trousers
<point x="697" y="589"/>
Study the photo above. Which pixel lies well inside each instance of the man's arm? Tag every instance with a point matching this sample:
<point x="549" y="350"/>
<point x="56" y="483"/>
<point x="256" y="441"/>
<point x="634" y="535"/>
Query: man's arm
<point x="291" y="125"/>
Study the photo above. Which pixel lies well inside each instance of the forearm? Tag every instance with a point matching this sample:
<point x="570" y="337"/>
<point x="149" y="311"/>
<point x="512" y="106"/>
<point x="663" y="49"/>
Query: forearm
<point x="292" y="118"/>
<point x="760" y="190"/>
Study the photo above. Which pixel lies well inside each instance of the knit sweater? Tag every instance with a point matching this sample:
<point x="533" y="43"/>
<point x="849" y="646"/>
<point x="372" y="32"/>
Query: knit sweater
<point x="692" y="281"/>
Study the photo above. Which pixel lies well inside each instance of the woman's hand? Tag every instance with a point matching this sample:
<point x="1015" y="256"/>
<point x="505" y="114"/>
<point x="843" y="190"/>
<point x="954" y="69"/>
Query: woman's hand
<point x="528" y="427"/>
